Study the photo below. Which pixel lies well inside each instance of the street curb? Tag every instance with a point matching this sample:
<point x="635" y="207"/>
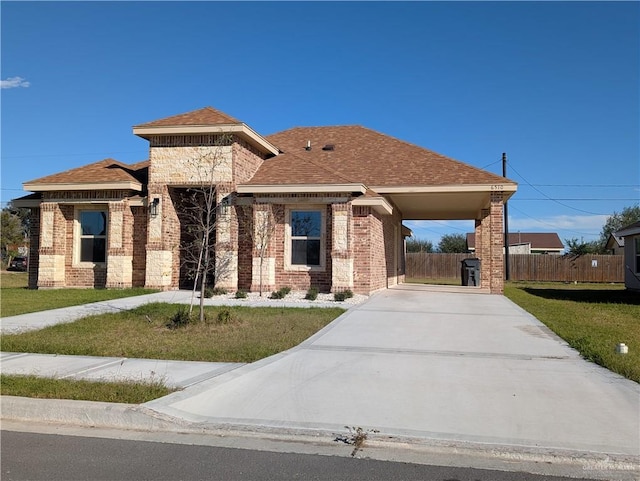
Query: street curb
<point x="133" y="417"/>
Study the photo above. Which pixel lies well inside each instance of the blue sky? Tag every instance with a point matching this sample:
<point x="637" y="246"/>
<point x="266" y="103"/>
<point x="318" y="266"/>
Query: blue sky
<point x="555" y="85"/>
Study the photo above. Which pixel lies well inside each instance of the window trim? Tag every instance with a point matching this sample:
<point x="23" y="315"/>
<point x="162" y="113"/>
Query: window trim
<point x="636" y="243"/>
<point x="289" y="238"/>
<point x="78" y="236"/>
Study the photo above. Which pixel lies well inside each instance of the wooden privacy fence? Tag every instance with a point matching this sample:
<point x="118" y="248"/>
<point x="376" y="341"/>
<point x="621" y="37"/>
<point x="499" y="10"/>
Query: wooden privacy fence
<point x="523" y="267"/>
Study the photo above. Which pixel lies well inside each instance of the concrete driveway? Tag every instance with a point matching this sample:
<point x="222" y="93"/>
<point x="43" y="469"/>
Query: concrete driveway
<point x="429" y="362"/>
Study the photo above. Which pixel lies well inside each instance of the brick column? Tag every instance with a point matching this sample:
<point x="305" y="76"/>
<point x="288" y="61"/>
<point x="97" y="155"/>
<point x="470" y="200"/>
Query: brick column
<point x="483" y="227"/>
<point x="163" y="238"/>
<point x="263" y="240"/>
<point x="119" y="251"/>
<point x="51" y="269"/>
<point x="341" y="249"/>
<point x="226" y="240"/>
<point x="497" y="244"/>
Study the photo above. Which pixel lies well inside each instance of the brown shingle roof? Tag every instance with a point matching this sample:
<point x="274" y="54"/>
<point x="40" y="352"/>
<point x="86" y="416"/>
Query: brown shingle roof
<point x="103" y="171"/>
<point x="204" y="116"/>
<point x="538" y="240"/>
<point x="361" y="155"/>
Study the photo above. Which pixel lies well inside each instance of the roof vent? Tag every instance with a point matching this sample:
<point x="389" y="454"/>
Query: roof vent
<point x="330" y="147"/>
<point x="308" y="147"/>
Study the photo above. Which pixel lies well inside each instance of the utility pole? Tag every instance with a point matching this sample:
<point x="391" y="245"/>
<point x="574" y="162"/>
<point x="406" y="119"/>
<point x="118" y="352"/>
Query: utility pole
<point x="506" y="223"/>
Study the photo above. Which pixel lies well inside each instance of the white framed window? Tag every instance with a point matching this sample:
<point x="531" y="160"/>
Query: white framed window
<point x="90" y="239"/>
<point x="305" y="238"/>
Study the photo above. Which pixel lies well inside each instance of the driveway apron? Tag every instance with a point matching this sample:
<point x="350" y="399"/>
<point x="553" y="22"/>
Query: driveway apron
<point x="442" y="364"/>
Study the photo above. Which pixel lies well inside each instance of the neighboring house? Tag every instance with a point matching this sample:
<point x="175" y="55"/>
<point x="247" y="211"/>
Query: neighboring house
<point x="527" y="243"/>
<point x="631" y="236"/>
<point x="109" y="224"/>
<point x="615" y="245"/>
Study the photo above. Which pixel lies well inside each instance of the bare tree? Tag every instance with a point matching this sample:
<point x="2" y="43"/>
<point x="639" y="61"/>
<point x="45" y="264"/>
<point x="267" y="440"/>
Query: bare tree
<point x="263" y="230"/>
<point x="201" y="213"/>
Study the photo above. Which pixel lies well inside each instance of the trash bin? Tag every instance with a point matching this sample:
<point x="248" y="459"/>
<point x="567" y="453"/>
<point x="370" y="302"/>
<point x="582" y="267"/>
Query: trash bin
<point x="470" y="272"/>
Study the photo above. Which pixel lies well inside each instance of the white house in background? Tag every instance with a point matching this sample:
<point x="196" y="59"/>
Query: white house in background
<point x="631" y="237"/>
<point x="527" y="243"/>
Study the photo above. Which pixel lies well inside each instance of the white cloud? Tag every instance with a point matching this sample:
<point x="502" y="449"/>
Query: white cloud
<point x="587" y="226"/>
<point x="13" y="82"/>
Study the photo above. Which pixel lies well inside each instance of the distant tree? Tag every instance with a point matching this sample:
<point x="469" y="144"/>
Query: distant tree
<point x="617" y="221"/>
<point x="24" y="214"/>
<point x="577" y="248"/>
<point x="11" y="235"/>
<point x="453" y="243"/>
<point x="419" y="245"/>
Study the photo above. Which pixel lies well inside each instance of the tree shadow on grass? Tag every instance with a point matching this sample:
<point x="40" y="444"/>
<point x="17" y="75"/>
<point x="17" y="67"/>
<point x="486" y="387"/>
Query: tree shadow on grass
<point x="613" y="296"/>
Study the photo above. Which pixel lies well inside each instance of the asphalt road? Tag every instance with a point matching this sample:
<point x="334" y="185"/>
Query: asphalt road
<point x="51" y="457"/>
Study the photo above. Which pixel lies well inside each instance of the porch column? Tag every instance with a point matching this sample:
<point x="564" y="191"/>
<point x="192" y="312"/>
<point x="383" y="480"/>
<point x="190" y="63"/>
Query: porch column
<point x="226" y="273"/>
<point x="120" y="248"/>
<point x="264" y="260"/>
<point x="163" y="237"/>
<point x="490" y="245"/>
<point x="341" y="249"/>
<point x="51" y="268"/>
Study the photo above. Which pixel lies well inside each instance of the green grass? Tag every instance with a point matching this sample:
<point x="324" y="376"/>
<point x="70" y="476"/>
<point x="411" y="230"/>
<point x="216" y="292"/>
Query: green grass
<point x="47" y="388"/>
<point x="592" y="318"/>
<point x="245" y="334"/>
<point x="16" y="299"/>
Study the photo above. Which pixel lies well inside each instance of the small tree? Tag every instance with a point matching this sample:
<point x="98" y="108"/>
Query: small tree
<point x="419" y="245"/>
<point x="453" y="243"/>
<point x="11" y="233"/>
<point x="577" y="248"/>
<point x="262" y="228"/>
<point x="201" y="213"/>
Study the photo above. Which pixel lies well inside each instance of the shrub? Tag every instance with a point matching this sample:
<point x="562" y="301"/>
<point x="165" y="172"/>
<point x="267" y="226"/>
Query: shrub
<point x="208" y="292"/>
<point x="224" y="316"/>
<point x="280" y="293"/>
<point x="343" y="295"/>
<point x="241" y="294"/>
<point x="180" y="319"/>
<point x="312" y="294"/>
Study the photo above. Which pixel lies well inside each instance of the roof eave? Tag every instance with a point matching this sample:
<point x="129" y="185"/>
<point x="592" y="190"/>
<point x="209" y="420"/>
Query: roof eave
<point x="50" y="187"/>
<point x="243" y="130"/>
<point x="379" y="204"/>
<point x="300" y="188"/>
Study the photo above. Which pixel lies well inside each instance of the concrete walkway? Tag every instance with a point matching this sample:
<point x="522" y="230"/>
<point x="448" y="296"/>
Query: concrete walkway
<point x="438" y="364"/>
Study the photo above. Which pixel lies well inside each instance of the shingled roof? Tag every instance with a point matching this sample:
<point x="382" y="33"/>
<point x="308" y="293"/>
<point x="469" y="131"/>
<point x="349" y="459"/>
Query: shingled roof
<point x="538" y="240"/>
<point x="204" y="116"/>
<point x="356" y="154"/>
<point x="108" y="173"/>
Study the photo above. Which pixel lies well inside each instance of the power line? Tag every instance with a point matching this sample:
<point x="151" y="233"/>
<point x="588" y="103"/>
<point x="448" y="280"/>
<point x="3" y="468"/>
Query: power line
<point x="553" y="200"/>
<point x="572" y="199"/>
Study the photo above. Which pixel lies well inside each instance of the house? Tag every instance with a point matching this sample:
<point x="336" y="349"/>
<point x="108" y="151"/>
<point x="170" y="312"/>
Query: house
<point x="631" y="237"/>
<point x="527" y="243"/>
<point x="615" y="245"/>
<point x="337" y="196"/>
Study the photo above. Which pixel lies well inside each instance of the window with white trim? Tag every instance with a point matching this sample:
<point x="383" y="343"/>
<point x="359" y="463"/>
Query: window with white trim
<point x="306" y="232"/>
<point x="92" y="227"/>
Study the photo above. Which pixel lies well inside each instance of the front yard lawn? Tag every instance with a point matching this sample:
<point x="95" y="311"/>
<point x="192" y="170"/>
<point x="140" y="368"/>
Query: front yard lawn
<point x="16" y="299"/>
<point x="231" y="334"/>
<point x="592" y="318"/>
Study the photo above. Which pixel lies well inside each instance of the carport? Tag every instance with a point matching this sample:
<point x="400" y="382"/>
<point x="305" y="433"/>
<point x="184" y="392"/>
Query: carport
<point x="482" y="203"/>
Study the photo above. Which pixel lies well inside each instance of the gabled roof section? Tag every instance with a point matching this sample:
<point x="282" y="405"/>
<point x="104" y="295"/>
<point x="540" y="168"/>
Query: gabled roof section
<point x="538" y="240"/>
<point x="104" y="174"/>
<point x="204" y="116"/>
<point x="633" y="229"/>
<point x="359" y="155"/>
<point x="204" y="121"/>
